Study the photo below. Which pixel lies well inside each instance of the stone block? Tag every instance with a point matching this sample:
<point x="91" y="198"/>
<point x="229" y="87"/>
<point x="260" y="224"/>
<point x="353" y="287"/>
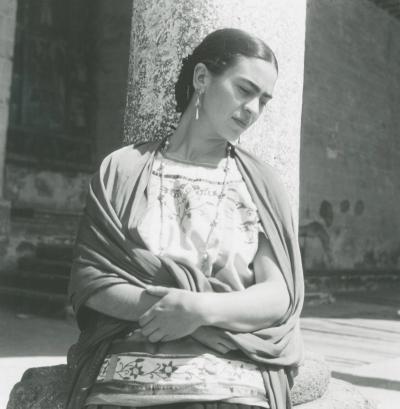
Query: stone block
<point x="45" y="388"/>
<point x="40" y="388"/>
<point x="312" y="380"/>
<point x="340" y="395"/>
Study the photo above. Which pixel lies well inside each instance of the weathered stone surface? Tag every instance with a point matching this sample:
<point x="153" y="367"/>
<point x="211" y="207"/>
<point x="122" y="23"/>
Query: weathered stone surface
<point x="163" y="32"/>
<point x="4" y="218"/>
<point x="312" y="380"/>
<point x="45" y="388"/>
<point x="4" y="225"/>
<point x="349" y="145"/>
<point x="40" y="388"/>
<point x="8" y="11"/>
<point x="340" y="395"/>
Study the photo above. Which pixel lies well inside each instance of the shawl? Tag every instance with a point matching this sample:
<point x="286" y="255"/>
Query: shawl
<point x="108" y="252"/>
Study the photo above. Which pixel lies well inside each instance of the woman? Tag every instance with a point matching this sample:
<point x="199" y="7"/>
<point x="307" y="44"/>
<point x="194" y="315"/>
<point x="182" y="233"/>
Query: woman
<point x="187" y="280"/>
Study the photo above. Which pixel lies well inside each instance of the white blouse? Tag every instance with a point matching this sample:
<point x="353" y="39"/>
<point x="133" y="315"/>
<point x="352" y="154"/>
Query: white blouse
<point x="191" y="196"/>
<point x="183" y="370"/>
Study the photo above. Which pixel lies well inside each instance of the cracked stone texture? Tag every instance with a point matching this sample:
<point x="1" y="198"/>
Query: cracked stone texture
<point x="340" y="395"/>
<point x="165" y="31"/>
<point x="40" y="388"/>
<point x="45" y="388"/>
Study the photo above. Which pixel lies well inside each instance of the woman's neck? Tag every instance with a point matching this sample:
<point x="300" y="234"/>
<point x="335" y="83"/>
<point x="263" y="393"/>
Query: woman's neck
<point x="192" y="142"/>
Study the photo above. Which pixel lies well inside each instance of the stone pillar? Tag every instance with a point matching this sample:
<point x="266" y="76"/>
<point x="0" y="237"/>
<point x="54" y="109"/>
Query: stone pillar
<point x="8" y="9"/>
<point x="165" y="31"/>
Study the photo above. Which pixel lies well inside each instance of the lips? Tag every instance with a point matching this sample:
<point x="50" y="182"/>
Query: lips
<point x="243" y="124"/>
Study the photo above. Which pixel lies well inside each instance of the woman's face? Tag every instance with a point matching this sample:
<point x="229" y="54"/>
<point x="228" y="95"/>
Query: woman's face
<point x="234" y="100"/>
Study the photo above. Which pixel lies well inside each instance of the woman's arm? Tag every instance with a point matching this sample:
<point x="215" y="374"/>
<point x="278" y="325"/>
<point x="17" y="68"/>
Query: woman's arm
<point x="179" y="313"/>
<point x="123" y="301"/>
<point x="258" y="306"/>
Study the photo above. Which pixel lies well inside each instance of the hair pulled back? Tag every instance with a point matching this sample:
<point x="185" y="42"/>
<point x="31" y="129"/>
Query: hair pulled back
<point x="218" y="51"/>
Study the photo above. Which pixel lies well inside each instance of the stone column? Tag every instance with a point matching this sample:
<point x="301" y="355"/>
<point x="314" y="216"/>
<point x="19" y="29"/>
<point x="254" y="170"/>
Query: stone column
<point x="165" y="31"/>
<point x="8" y="9"/>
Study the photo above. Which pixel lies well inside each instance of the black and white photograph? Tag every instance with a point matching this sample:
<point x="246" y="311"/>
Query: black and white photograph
<point x="200" y="204"/>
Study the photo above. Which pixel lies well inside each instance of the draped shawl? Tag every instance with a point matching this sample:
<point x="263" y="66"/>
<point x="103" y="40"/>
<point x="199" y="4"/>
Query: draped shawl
<point x="109" y="251"/>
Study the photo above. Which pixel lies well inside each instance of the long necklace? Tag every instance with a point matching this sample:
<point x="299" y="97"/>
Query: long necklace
<point x="205" y="257"/>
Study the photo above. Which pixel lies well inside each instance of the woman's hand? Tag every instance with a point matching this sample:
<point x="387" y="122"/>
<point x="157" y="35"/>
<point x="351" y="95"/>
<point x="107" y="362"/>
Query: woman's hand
<point x="176" y="315"/>
<point x="214" y="338"/>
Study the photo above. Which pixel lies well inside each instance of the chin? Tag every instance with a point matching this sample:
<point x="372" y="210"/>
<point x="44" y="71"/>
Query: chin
<point x="232" y="140"/>
<point x="233" y="137"/>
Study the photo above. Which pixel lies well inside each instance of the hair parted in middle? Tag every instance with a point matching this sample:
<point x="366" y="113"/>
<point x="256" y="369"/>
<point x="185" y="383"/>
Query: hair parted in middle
<point x="218" y="51"/>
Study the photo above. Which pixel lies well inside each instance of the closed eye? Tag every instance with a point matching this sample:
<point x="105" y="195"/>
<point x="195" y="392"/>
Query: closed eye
<point x="244" y="91"/>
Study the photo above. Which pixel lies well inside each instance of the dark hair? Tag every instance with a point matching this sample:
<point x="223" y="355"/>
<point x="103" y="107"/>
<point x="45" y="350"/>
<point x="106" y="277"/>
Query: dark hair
<point x="219" y="51"/>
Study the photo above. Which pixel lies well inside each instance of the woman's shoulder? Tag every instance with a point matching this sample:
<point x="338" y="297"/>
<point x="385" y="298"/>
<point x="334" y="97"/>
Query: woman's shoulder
<point x="130" y="156"/>
<point x="264" y="171"/>
<point x="268" y="183"/>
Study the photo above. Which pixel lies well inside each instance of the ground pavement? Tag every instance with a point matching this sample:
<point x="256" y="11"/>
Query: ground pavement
<point x="359" y="335"/>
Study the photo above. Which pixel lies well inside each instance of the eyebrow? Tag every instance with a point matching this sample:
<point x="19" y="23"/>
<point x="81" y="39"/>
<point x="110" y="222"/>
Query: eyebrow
<point x="255" y="87"/>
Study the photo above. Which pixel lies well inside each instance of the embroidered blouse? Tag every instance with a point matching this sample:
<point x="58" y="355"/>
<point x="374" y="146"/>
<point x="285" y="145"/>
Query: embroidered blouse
<point x="137" y="375"/>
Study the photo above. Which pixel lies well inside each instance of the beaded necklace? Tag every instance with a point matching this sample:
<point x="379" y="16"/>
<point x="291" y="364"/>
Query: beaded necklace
<point x="205" y="257"/>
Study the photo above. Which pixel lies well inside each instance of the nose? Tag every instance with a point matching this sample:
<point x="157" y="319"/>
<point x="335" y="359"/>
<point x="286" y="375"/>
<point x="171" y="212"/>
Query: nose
<point x="252" y="106"/>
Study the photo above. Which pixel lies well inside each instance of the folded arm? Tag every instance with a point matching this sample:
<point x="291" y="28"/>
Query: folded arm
<point x="258" y="306"/>
<point x="123" y="301"/>
<point x="165" y="314"/>
<point x="179" y="313"/>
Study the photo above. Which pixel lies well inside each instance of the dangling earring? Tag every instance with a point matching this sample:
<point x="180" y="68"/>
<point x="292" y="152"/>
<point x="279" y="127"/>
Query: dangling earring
<point x="238" y="141"/>
<point x="197" y="105"/>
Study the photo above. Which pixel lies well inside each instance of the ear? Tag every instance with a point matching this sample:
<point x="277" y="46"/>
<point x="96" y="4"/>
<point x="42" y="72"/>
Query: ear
<point x="201" y="76"/>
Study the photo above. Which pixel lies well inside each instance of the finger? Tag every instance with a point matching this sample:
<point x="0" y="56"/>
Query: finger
<point x="149" y="328"/>
<point x="169" y="337"/>
<point x="156" y="336"/>
<point x="222" y="349"/>
<point x="157" y="290"/>
<point x="146" y="317"/>
<point x="166" y="338"/>
<point x="137" y="336"/>
<point x="229" y="344"/>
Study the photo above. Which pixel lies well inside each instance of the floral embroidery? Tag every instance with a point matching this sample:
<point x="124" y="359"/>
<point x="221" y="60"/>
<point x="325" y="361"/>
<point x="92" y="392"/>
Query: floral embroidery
<point x="129" y="370"/>
<point x="174" y="376"/>
<point x="168" y="369"/>
<point x="162" y="370"/>
<point x="190" y="196"/>
<point x="135" y="370"/>
<point x="104" y="367"/>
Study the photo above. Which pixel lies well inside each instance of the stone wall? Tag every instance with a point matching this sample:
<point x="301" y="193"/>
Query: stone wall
<point x="47" y="196"/>
<point x="110" y="72"/>
<point x="163" y="32"/>
<point x="30" y="187"/>
<point x="350" y="189"/>
<point x="62" y="187"/>
<point x="8" y="9"/>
